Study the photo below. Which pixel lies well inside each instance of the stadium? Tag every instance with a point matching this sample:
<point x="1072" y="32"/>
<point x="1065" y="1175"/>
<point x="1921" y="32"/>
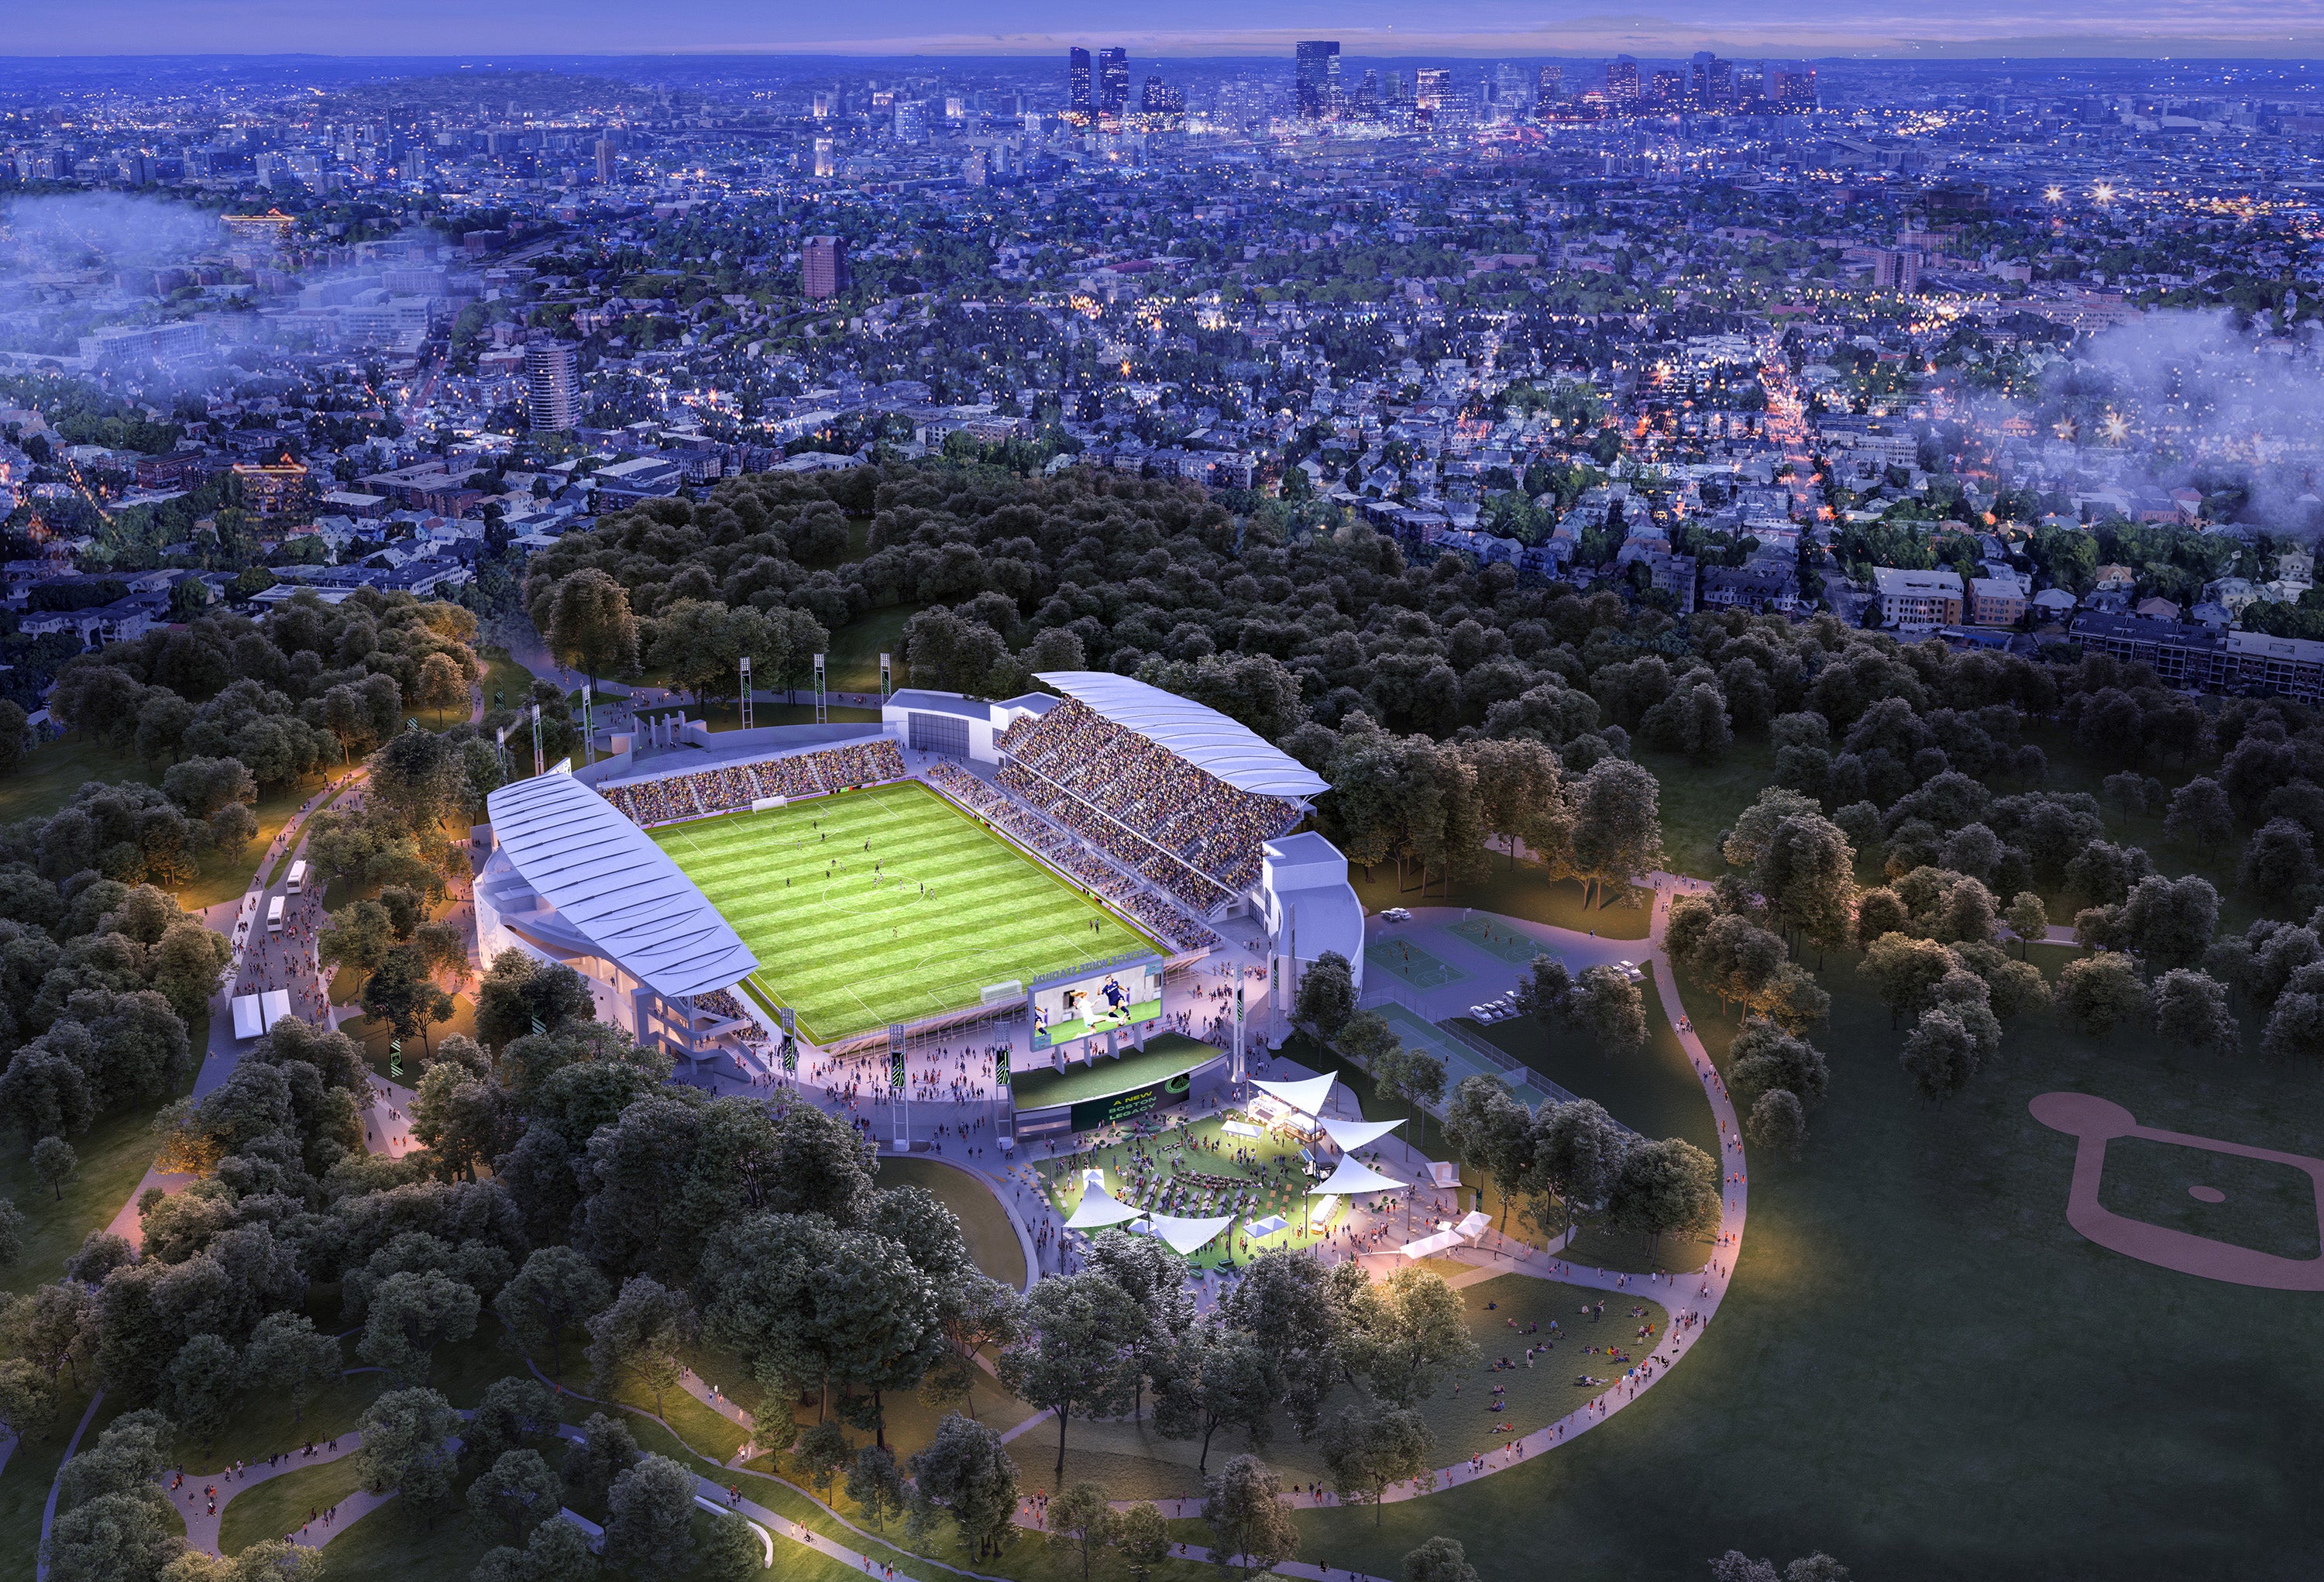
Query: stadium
<point x="1044" y="874"/>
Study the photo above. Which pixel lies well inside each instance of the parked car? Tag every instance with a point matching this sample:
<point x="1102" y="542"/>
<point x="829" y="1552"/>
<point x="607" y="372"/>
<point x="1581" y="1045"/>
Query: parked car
<point x="1396" y="914"/>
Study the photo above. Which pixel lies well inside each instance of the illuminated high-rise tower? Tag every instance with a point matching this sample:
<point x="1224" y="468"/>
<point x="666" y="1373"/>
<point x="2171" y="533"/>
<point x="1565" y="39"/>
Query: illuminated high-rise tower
<point x="1315" y="83"/>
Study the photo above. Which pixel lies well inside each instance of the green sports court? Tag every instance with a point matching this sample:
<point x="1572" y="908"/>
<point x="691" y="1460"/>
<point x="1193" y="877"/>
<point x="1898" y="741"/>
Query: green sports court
<point x="852" y="935"/>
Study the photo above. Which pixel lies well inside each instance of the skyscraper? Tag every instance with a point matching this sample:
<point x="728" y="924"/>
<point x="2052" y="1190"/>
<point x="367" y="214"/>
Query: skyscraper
<point x="1315" y="82"/>
<point x="1549" y="84"/>
<point x="1079" y="106"/>
<point x="1112" y="81"/>
<point x="604" y="161"/>
<point x="823" y="267"/>
<point x="826" y="164"/>
<point x="552" y="381"/>
<point x="1622" y="83"/>
<point x="1431" y="89"/>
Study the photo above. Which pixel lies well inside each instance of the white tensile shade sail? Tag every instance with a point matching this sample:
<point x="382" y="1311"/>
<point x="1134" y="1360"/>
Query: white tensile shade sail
<point x="1354" y="1176"/>
<point x="1351" y="1135"/>
<point x="1182" y="1237"/>
<point x="1099" y="1208"/>
<point x="1306" y="1096"/>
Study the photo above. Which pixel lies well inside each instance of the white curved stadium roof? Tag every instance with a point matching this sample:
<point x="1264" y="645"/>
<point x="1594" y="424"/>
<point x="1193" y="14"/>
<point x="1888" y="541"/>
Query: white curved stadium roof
<point x="609" y="881"/>
<point x="1202" y="736"/>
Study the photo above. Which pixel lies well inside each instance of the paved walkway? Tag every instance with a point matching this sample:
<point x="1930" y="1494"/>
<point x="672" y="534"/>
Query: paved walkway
<point x="192" y="1498"/>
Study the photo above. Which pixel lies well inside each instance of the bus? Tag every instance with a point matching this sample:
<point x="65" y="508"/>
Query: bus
<point x="297" y="877"/>
<point x="274" y="915"/>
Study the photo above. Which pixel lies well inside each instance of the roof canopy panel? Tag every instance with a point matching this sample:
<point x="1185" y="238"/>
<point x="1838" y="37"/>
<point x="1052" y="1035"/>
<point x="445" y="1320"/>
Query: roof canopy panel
<point x="607" y="879"/>
<point x="1354" y="1176"/>
<point x="1099" y="1208"/>
<point x="1203" y="737"/>
<point x="1184" y="1237"/>
<point x="1305" y="1096"/>
<point x="1351" y="1135"/>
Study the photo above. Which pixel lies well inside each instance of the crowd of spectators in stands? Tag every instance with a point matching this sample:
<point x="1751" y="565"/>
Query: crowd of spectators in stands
<point x="1027" y="827"/>
<point x="733" y="786"/>
<point x="1184" y="829"/>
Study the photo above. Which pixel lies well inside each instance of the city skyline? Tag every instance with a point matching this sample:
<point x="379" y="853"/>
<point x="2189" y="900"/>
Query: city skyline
<point x="2264" y="29"/>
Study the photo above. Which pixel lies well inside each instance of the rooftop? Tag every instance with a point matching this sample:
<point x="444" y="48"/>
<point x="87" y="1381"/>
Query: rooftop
<point x="605" y="876"/>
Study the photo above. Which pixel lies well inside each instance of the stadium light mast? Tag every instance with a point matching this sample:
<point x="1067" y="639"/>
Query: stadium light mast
<point x="887" y="685"/>
<point x="588" y="728"/>
<point x="500" y="738"/>
<point x="540" y="762"/>
<point x="746" y="691"/>
<point x="821" y="713"/>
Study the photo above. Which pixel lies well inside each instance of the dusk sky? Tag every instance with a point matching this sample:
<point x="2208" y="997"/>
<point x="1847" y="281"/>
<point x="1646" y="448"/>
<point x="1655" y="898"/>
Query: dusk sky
<point x="2278" y="28"/>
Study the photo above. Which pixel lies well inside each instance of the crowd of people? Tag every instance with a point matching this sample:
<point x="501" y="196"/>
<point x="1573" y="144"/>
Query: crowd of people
<point x="733" y="786"/>
<point x="1027" y="827"/>
<point x="1183" y="828"/>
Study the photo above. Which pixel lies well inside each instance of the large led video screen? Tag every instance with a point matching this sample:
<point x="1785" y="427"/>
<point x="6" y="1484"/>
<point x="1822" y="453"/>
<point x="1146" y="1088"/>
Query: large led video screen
<point x="1119" y="998"/>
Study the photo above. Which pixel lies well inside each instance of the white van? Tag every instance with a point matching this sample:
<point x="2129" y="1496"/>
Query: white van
<point x="297" y="883"/>
<point x="274" y="915"/>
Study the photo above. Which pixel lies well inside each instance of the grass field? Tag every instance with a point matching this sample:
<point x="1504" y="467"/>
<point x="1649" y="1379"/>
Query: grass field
<point x="809" y="888"/>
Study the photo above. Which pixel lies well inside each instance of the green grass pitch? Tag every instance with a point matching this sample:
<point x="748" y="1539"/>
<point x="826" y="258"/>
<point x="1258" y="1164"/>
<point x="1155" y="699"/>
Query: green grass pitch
<point x="851" y="948"/>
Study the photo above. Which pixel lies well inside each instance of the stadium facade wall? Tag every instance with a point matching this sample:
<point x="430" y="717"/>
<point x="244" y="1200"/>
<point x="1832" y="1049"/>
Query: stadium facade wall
<point x="955" y="726"/>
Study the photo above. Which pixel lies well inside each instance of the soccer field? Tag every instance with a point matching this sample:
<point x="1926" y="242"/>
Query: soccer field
<point x="887" y="905"/>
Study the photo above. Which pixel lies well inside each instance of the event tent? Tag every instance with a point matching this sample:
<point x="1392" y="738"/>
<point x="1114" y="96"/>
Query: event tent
<point x="1351" y="1135"/>
<point x="1099" y="1208"/>
<point x="1353" y="1177"/>
<point x="1306" y="1096"/>
<point x="1182" y="1237"/>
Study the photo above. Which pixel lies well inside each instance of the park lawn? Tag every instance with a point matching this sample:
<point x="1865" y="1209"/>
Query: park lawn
<point x="113" y="1155"/>
<point x="853" y="665"/>
<point x="376" y="1036"/>
<point x="264" y="1425"/>
<point x="279" y="1505"/>
<point x="964" y="908"/>
<point x="45" y="779"/>
<point x="1700" y="801"/>
<point x="1916" y="1330"/>
<point x="1654" y="1092"/>
<point x="723" y="714"/>
<point x="1519" y="892"/>
<point x="504" y="676"/>
<point x="984" y="1224"/>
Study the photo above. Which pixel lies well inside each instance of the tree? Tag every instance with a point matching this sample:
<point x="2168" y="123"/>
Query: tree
<point x="2027" y="919"/>
<point x="2096" y="992"/>
<point x="1611" y="1008"/>
<point x="1492" y="1134"/>
<point x="876" y="1483"/>
<point x="558" y="1552"/>
<point x="1144" y="1539"/>
<point x="44" y="1095"/>
<point x="413" y="1314"/>
<point x="54" y="1162"/>
<point x="1070" y="1357"/>
<point x="2190" y="1008"/>
<point x="419" y="777"/>
<point x="604" y="1451"/>
<point x="516" y="1496"/>
<point x="1618" y="832"/>
<point x="1371" y="1449"/>
<point x="1576" y="1152"/>
<point x="1545" y="990"/>
<point x="53" y="1326"/>
<point x="1941" y="1053"/>
<point x="516" y="1413"/>
<point x="27" y="1399"/>
<point x="587" y="619"/>
<point x="1807" y="869"/>
<point x="2169" y="921"/>
<point x="1665" y="1188"/>
<point x="1764" y="1058"/>
<point x="202" y="1385"/>
<point x="405" y="1449"/>
<point x="1778" y="1122"/>
<point x="1415" y="1331"/>
<point x="730" y="1550"/>
<point x="555" y="1290"/>
<point x="640" y="1335"/>
<point x="2200" y="815"/>
<point x="650" y="1515"/>
<point x="441" y="684"/>
<point x="822" y="1449"/>
<point x="292" y="1357"/>
<point x="517" y="992"/>
<point x="966" y="1473"/>
<point x="400" y="993"/>
<point x="1907" y="969"/>
<point x="1440" y="1560"/>
<point x="1155" y="1281"/>
<point x="1327" y="996"/>
<point x="1243" y="1505"/>
<point x="1215" y="1377"/>
<point x="1082" y="1522"/>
